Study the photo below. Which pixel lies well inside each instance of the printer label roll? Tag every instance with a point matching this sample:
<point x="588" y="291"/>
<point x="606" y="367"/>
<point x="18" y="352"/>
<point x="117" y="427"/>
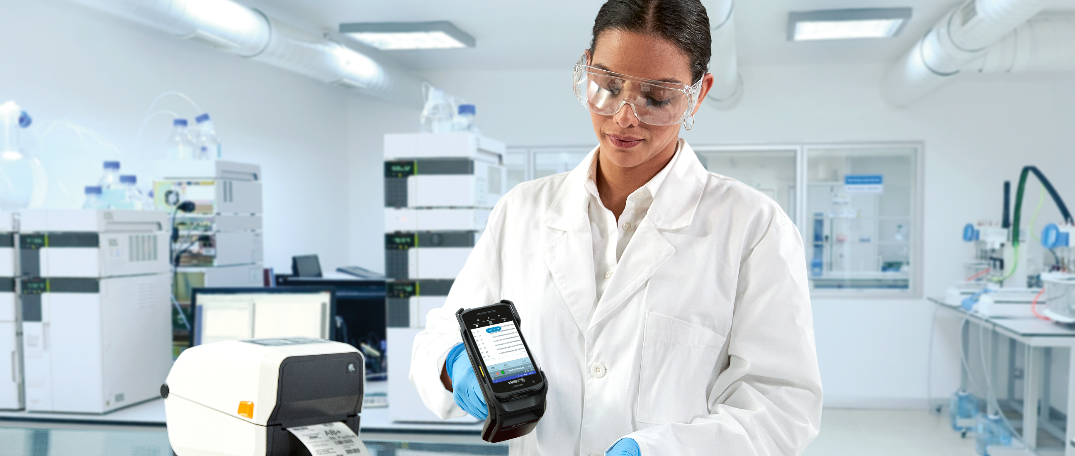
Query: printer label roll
<point x="330" y="439"/>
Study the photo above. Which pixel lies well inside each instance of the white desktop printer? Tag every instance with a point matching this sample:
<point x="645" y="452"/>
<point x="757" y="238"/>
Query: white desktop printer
<point x="266" y="397"/>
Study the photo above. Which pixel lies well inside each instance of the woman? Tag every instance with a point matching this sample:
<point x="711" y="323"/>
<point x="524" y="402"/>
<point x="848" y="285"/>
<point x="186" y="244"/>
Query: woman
<point x="667" y="306"/>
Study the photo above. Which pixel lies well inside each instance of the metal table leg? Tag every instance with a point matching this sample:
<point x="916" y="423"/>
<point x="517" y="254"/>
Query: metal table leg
<point x="1069" y="442"/>
<point x="1031" y="395"/>
<point x="964" y="383"/>
<point x="1010" y="378"/>
<point x="993" y="372"/>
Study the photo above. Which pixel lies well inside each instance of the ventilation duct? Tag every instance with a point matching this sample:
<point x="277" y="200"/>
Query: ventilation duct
<point x="1041" y="44"/>
<point x="727" y="85"/>
<point x="234" y="28"/>
<point x="961" y="37"/>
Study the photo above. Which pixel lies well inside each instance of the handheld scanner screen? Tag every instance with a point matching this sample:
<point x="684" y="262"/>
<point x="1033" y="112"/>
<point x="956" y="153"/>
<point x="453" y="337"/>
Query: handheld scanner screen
<point x="505" y="358"/>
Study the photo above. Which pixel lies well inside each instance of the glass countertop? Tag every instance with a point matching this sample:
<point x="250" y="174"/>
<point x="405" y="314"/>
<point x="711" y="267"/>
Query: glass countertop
<point x="16" y="441"/>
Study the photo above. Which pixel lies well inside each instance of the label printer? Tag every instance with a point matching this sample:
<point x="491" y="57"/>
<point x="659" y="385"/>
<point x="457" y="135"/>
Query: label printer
<point x="272" y="397"/>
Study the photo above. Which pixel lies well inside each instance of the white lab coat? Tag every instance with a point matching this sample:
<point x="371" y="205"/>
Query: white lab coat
<point x="702" y="344"/>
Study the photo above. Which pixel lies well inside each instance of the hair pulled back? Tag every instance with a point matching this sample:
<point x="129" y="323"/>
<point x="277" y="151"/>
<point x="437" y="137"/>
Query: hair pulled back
<point x="683" y="22"/>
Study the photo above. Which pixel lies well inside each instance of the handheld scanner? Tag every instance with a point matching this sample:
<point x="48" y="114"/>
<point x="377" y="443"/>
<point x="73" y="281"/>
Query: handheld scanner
<point x="513" y="385"/>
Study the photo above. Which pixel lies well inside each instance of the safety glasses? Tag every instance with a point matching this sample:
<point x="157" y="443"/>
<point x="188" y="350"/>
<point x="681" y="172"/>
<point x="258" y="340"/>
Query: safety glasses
<point x="654" y="102"/>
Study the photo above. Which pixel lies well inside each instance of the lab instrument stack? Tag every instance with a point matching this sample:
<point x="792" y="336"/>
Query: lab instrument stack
<point x="93" y="290"/>
<point x="219" y="244"/>
<point x="439" y="190"/>
<point x="11" y="392"/>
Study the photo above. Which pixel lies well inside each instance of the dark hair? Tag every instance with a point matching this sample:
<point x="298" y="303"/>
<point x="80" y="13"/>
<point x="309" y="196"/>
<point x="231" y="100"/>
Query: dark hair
<point x="683" y="22"/>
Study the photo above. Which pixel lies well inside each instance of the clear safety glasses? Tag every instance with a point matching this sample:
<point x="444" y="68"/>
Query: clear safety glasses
<point x="654" y="102"/>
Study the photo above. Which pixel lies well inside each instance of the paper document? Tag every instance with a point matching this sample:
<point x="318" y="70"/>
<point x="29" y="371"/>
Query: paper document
<point x="330" y="439"/>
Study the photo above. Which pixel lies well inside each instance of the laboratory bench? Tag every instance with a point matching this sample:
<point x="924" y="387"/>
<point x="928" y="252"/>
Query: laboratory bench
<point x="132" y="426"/>
<point x="20" y="441"/>
<point x="1039" y="338"/>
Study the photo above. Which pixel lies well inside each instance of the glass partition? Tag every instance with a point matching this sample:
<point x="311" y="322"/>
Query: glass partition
<point x="553" y="161"/>
<point x="856" y="206"/>
<point x="516" y="162"/>
<point x="861" y="217"/>
<point x="770" y="171"/>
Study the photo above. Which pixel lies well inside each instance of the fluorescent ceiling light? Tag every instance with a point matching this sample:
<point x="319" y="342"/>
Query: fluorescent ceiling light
<point x="847" y="23"/>
<point x="398" y="36"/>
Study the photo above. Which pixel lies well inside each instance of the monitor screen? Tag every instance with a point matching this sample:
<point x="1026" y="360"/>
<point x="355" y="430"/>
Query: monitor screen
<point x="231" y="314"/>
<point x="306" y="266"/>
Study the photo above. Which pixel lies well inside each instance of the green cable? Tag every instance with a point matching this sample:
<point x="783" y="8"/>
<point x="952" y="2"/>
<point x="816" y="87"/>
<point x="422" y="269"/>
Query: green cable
<point x="1034" y="218"/>
<point x="1015" y="223"/>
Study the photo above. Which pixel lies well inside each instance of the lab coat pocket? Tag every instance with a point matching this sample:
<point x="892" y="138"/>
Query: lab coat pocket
<point x="678" y="359"/>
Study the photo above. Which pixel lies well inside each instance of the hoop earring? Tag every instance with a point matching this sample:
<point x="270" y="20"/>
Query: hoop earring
<point x="688" y="123"/>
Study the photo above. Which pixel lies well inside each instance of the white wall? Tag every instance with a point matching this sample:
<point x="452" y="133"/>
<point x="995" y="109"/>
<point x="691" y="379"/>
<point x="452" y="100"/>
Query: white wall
<point x="62" y="61"/>
<point x="977" y="133"/>
<point x="370" y="120"/>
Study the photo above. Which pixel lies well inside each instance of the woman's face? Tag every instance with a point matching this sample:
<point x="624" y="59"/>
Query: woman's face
<point x="625" y="141"/>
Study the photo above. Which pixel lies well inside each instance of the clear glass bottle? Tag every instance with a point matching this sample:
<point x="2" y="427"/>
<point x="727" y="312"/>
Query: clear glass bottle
<point x="93" y="198"/>
<point x="437" y="115"/>
<point x="962" y="410"/>
<point x="134" y="199"/>
<point x="180" y="145"/>
<point x="206" y="144"/>
<point x="465" y="120"/>
<point x="113" y="192"/>
<point x="991" y="431"/>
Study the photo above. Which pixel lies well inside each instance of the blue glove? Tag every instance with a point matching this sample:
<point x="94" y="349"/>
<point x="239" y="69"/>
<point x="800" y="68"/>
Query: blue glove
<point x="465" y="387"/>
<point x="624" y="447"/>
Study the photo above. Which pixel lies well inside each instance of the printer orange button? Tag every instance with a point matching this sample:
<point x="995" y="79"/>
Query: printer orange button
<point x="246" y="409"/>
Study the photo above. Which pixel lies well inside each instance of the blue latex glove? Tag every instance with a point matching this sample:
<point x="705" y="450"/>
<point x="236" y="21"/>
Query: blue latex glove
<point x="624" y="447"/>
<point x="466" y="390"/>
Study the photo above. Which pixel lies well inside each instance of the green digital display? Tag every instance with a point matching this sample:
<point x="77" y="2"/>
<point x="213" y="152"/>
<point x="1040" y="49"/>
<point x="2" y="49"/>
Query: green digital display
<point x="33" y="241"/>
<point x="400" y="168"/>
<point x="402" y="289"/>
<point x="35" y="286"/>
<point x="400" y="241"/>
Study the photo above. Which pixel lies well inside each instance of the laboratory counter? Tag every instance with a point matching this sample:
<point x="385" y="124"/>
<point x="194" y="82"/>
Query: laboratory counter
<point x="17" y="441"/>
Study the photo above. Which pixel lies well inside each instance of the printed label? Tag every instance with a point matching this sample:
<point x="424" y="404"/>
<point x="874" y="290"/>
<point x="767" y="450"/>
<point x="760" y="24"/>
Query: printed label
<point x="330" y="439"/>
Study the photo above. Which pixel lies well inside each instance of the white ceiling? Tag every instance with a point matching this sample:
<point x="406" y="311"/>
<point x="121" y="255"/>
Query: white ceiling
<point x="551" y="34"/>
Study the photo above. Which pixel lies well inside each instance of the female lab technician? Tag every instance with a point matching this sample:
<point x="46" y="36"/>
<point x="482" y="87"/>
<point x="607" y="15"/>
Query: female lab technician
<point x="667" y="306"/>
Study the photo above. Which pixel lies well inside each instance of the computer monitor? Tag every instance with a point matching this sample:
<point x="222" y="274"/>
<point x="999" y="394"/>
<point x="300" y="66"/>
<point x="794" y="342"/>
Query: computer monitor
<point x="247" y="313"/>
<point x="360" y="315"/>
<point x="306" y="266"/>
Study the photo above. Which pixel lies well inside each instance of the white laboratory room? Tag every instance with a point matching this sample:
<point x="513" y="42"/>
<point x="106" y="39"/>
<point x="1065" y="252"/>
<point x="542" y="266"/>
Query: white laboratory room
<point x="391" y="228"/>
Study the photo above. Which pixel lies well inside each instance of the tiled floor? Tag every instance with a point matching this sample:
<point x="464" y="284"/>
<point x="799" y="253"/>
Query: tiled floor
<point x="887" y="432"/>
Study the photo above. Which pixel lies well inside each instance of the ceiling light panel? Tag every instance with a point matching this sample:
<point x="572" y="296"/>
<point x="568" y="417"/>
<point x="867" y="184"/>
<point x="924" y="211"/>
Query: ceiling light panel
<point x="399" y="36"/>
<point x="847" y="24"/>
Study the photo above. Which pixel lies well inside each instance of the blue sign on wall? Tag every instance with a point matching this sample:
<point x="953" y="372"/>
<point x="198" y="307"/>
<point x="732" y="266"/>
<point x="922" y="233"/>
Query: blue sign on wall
<point x="864" y="183"/>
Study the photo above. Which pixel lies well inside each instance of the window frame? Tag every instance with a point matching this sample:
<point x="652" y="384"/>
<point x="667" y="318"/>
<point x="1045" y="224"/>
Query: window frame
<point x="915" y="288"/>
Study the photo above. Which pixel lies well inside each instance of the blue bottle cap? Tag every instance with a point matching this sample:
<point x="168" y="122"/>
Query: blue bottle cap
<point x="111" y="165"/>
<point x="467" y="109"/>
<point x="204" y="117"/>
<point x="128" y="179"/>
<point x="25" y="120"/>
<point x="93" y="190"/>
<point x="970" y="233"/>
<point x="179" y="122"/>
<point x="1052" y="237"/>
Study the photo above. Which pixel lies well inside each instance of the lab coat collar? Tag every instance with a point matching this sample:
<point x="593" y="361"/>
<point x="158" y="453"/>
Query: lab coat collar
<point x="568" y="245"/>
<point x="673" y="207"/>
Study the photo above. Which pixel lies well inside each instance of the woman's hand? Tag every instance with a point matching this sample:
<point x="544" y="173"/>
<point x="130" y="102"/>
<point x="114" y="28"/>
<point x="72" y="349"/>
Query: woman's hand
<point x="465" y="388"/>
<point x="624" y="447"/>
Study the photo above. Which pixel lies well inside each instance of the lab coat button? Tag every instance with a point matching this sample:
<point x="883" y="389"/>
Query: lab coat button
<point x="627" y="226"/>
<point x="598" y="370"/>
<point x="608" y="274"/>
